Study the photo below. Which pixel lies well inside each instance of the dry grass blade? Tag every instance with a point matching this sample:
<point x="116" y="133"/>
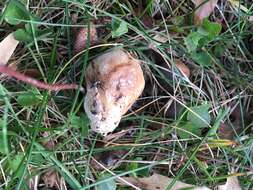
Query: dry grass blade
<point x="7" y="47"/>
<point x="203" y="10"/>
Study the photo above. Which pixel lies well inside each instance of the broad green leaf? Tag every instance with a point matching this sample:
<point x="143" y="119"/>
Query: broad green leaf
<point x="14" y="11"/>
<point x="134" y="166"/>
<point x="119" y="28"/>
<point x="84" y="126"/>
<point x="14" y="162"/>
<point x="219" y="50"/>
<point x="81" y="123"/>
<point x="190" y="128"/>
<point x="209" y="31"/>
<point x="22" y="35"/>
<point x="29" y="99"/>
<point x="26" y="35"/>
<point x="213" y="28"/>
<point x="75" y="121"/>
<point x="202" y="58"/>
<point x="199" y="116"/>
<point x="192" y="41"/>
<point x="107" y="185"/>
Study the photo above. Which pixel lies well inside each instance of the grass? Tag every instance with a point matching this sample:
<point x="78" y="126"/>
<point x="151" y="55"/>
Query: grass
<point x="53" y="133"/>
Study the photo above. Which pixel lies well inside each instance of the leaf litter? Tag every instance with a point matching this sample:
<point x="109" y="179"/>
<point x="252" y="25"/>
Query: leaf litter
<point x="157" y="181"/>
<point x="203" y="10"/>
<point x="7" y="48"/>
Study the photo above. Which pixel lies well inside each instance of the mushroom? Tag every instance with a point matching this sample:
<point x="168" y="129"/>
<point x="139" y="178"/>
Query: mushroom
<point x="183" y="68"/>
<point x="114" y="81"/>
<point x="81" y="37"/>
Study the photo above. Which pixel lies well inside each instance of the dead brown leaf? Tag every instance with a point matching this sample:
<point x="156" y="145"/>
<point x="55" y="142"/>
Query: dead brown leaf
<point x="203" y="9"/>
<point x="7" y="47"/>
<point x="160" y="38"/>
<point x="35" y="73"/>
<point x="251" y="18"/>
<point x="231" y="184"/>
<point x="229" y="131"/>
<point x="157" y="181"/>
<point x="51" y="179"/>
<point x="108" y="159"/>
<point x="147" y="20"/>
<point x="50" y="144"/>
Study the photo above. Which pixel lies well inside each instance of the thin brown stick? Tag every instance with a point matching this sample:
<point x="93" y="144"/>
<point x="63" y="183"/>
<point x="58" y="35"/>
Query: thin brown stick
<point x="29" y="80"/>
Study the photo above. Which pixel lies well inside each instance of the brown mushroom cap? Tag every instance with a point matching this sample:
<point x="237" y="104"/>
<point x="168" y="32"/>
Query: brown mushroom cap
<point x="82" y="36"/>
<point x="183" y="68"/>
<point x="114" y="82"/>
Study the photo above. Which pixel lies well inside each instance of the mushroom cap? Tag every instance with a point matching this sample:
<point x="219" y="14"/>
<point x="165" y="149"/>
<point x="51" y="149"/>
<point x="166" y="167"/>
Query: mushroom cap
<point x="114" y="81"/>
<point x="183" y="68"/>
<point x="82" y="36"/>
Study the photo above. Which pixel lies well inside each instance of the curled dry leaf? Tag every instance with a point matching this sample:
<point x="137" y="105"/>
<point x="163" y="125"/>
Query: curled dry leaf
<point x="114" y="81"/>
<point x="160" y="182"/>
<point x="203" y="9"/>
<point x="7" y="47"/>
<point x="82" y="37"/>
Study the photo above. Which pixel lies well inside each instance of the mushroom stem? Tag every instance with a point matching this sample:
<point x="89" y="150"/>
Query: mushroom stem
<point x="24" y="78"/>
